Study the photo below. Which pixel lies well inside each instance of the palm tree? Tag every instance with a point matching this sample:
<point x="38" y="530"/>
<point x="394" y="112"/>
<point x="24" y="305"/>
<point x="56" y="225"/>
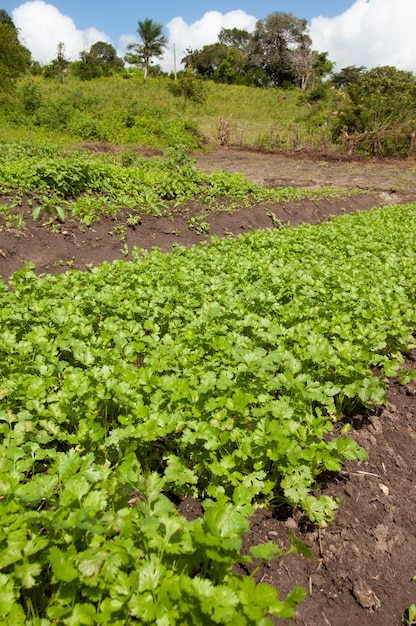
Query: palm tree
<point x="153" y="45"/>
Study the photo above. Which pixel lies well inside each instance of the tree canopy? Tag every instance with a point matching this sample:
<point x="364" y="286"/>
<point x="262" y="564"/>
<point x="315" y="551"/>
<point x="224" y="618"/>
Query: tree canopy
<point x="277" y="54"/>
<point x="274" y="41"/>
<point x="14" y="57"/>
<point x="5" y="18"/>
<point x="347" y="76"/>
<point x="379" y="110"/>
<point x="190" y="88"/>
<point x="207" y="60"/>
<point x="59" y="65"/>
<point x="101" y="60"/>
<point x="234" y="37"/>
<point x="152" y="45"/>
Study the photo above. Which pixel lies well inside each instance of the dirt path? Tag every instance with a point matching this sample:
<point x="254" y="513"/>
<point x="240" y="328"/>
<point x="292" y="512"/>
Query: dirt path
<point x="305" y="170"/>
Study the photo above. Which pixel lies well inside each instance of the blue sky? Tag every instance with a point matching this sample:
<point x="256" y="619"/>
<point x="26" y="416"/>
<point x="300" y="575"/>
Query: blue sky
<point x="353" y="32"/>
<point x="117" y="17"/>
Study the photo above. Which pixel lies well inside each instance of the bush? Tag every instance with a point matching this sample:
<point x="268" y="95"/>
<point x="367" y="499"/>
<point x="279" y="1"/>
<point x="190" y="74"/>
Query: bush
<point x="53" y="115"/>
<point x="31" y="97"/>
<point x="85" y="126"/>
<point x="378" y="115"/>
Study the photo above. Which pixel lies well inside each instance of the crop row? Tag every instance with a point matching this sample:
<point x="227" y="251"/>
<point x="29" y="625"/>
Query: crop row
<point x="86" y="187"/>
<point x="217" y="372"/>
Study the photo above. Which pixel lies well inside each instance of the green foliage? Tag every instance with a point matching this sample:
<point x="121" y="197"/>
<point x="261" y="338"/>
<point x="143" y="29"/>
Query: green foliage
<point x="379" y="112"/>
<point x="14" y="57"/>
<point x="242" y="389"/>
<point x="232" y="69"/>
<point x="58" y="67"/>
<point x="132" y="112"/>
<point x="278" y="53"/>
<point x="409" y="616"/>
<point x="31" y="97"/>
<point x="320" y="100"/>
<point x="347" y="76"/>
<point x="87" y="187"/>
<point x="205" y="61"/>
<point x="86" y="126"/>
<point x="53" y="116"/>
<point x="94" y="546"/>
<point x="235" y="38"/>
<point x="189" y="88"/>
<point x="273" y="42"/>
<point x="216" y="372"/>
<point x="101" y="60"/>
<point x="318" y="94"/>
<point x="110" y="109"/>
<point x="5" y="18"/>
<point x="322" y="65"/>
<point x="152" y="45"/>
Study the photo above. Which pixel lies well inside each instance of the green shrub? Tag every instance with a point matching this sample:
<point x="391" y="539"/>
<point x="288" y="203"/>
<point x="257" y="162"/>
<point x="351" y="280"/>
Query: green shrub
<point x="86" y="126"/>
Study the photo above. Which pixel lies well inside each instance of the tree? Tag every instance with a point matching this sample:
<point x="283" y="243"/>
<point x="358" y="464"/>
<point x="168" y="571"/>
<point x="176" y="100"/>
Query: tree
<point x="347" y="76"/>
<point x="218" y="62"/>
<point x="5" y="18"/>
<point x="303" y="61"/>
<point x="59" y="65"/>
<point x="101" y="60"/>
<point x="235" y="38"/>
<point x="152" y="45"/>
<point x="378" y="114"/>
<point x="190" y="88"/>
<point x="278" y="53"/>
<point x="310" y="66"/>
<point x="14" y="57"/>
<point x="323" y="66"/>
<point x="233" y="69"/>
<point x="206" y="61"/>
<point x="274" y="40"/>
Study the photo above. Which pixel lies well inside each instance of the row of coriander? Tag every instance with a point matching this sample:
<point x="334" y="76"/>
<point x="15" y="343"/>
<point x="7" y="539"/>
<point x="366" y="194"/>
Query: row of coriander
<point x="222" y="369"/>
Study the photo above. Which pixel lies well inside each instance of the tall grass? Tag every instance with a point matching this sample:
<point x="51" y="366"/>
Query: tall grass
<point x="130" y="111"/>
<point x="256" y="117"/>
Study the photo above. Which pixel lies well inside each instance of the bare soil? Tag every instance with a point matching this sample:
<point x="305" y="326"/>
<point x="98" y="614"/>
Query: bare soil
<point x="69" y="245"/>
<point x="365" y="561"/>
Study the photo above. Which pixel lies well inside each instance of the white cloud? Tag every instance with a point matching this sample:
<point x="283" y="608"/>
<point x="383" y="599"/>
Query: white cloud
<point x="42" y="27"/>
<point x="369" y="33"/>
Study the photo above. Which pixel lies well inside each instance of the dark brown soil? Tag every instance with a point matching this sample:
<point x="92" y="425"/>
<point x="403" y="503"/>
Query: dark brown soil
<point x="365" y="561"/>
<point x="64" y="246"/>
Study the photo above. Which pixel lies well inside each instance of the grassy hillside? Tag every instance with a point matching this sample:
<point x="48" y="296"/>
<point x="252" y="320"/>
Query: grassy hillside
<point x="130" y="111"/>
